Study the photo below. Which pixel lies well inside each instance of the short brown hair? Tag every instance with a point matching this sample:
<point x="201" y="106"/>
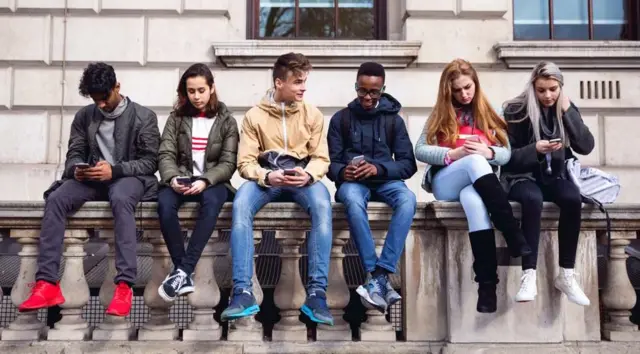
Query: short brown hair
<point x="295" y="63"/>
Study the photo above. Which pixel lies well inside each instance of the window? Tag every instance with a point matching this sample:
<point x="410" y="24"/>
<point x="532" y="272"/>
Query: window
<point x="317" y="19"/>
<point x="575" y="19"/>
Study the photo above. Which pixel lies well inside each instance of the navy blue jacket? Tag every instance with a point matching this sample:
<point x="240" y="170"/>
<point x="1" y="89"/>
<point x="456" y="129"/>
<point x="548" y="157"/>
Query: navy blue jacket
<point x="367" y="136"/>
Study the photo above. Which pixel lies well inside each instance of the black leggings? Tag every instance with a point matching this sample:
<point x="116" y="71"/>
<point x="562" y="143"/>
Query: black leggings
<point x="567" y="196"/>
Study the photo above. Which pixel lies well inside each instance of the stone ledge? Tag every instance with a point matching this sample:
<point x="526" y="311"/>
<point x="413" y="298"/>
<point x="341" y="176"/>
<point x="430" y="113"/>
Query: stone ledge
<point x="571" y="54"/>
<point x="28" y="215"/>
<point x="322" y="53"/>
<point x="117" y="347"/>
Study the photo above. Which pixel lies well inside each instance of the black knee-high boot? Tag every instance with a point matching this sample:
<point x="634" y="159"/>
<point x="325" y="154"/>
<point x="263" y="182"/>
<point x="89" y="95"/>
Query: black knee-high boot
<point x="497" y="203"/>
<point x="485" y="265"/>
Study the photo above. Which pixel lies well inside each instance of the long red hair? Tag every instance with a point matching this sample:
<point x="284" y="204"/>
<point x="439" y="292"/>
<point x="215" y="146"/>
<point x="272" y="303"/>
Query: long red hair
<point x="442" y="126"/>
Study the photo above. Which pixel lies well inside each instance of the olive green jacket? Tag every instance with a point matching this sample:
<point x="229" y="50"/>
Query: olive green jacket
<point x="175" y="157"/>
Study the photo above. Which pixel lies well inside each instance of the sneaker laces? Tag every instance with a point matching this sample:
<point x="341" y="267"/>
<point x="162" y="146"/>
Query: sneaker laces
<point x="379" y="285"/>
<point x="236" y="299"/>
<point x="122" y="291"/>
<point x="178" y="280"/>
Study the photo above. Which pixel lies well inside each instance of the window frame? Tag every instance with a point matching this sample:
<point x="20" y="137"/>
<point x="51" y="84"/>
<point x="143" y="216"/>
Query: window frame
<point x="379" y="22"/>
<point x="633" y="24"/>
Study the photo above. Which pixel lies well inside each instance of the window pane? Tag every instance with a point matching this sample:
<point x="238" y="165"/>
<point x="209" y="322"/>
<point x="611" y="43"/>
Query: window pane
<point x="609" y="19"/>
<point x="356" y="19"/>
<point x="570" y="19"/>
<point x="277" y="18"/>
<point x="317" y="18"/>
<point x="531" y="19"/>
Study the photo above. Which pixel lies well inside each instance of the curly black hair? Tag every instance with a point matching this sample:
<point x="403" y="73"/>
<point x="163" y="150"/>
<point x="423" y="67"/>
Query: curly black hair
<point x="371" y="69"/>
<point x="97" y="79"/>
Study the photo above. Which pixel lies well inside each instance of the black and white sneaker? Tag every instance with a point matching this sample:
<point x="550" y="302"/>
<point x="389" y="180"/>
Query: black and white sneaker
<point x="187" y="287"/>
<point x="170" y="287"/>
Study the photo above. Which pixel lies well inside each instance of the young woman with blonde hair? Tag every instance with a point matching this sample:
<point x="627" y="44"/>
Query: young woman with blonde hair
<point x="544" y="129"/>
<point x="464" y="142"/>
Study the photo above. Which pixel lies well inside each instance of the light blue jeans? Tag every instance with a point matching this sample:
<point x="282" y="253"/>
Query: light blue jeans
<point x="314" y="199"/>
<point x="355" y="197"/>
<point x="455" y="183"/>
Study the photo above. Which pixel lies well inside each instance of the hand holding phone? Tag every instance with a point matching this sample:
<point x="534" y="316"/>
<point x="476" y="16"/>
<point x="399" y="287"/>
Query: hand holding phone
<point x="357" y="160"/>
<point x="185" y="181"/>
<point x="556" y="140"/>
<point x="81" y="165"/>
<point x="290" y="172"/>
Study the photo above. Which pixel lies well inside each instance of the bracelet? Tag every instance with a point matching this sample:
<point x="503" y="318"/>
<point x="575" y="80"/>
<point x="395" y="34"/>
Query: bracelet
<point x="447" y="159"/>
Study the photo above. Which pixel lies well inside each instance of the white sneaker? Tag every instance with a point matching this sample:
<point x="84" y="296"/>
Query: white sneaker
<point x="566" y="282"/>
<point x="528" y="287"/>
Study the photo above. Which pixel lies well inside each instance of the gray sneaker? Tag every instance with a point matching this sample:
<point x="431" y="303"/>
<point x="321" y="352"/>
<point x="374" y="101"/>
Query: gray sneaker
<point x="392" y="295"/>
<point x="373" y="293"/>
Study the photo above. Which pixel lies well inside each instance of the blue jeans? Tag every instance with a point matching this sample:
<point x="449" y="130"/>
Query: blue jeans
<point x="355" y="197"/>
<point x="314" y="199"/>
<point x="455" y="183"/>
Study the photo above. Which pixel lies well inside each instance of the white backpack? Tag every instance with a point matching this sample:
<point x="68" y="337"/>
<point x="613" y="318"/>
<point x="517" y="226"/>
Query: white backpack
<point x="596" y="187"/>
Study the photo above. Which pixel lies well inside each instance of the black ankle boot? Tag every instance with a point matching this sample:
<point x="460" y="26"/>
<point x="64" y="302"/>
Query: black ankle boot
<point x="487" y="299"/>
<point x="495" y="199"/>
<point x="485" y="265"/>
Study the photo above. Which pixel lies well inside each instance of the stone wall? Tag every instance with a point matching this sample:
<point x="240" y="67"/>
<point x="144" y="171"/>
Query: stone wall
<point x="150" y="42"/>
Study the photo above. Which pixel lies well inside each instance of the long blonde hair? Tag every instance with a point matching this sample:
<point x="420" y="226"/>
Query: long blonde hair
<point x="442" y="125"/>
<point x="528" y="102"/>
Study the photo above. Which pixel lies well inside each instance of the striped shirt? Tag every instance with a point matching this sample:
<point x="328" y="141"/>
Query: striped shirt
<point x="200" y="129"/>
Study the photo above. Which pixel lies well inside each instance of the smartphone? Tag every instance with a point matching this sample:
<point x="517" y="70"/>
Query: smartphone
<point x="357" y="160"/>
<point x="185" y="181"/>
<point x="290" y="172"/>
<point x="81" y="165"/>
<point x="474" y="138"/>
<point x="556" y="140"/>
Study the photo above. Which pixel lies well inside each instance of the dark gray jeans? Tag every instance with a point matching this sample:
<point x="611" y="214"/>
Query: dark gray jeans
<point x="123" y="195"/>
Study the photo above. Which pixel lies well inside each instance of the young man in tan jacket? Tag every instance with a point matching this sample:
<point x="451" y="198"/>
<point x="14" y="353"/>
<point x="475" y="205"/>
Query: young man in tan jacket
<point x="283" y="154"/>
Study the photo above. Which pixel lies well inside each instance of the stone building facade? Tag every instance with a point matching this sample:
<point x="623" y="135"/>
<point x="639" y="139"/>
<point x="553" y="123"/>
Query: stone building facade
<point x="45" y="44"/>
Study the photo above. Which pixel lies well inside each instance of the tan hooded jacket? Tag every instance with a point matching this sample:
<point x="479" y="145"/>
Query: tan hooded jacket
<point x="296" y="130"/>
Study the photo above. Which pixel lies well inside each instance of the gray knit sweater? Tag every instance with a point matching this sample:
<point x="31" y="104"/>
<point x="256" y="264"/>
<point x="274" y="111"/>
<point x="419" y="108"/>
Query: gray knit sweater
<point x="434" y="155"/>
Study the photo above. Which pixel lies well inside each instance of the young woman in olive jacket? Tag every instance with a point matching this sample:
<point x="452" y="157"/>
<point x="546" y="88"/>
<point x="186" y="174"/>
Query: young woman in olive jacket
<point x="197" y="158"/>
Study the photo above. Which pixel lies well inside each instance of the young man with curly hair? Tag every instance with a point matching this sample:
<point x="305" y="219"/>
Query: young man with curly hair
<point x="112" y="155"/>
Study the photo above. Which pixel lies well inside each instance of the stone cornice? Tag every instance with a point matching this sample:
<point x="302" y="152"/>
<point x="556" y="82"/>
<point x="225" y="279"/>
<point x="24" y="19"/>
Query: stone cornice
<point x="571" y="54"/>
<point x="322" y="53"/>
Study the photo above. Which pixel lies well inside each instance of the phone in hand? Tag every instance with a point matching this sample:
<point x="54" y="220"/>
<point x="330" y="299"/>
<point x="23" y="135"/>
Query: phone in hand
<point x="185" y="181"/>
<point x="474" y="138"/>
<point x="357" y="160"/>
<point x="556" y="140"/>
<point x="290" y="172"/>
<point x="81" y="165"/>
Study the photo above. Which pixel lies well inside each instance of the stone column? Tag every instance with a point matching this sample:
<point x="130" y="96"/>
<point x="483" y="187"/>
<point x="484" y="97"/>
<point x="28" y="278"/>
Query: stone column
<point x="337" y="293"/>
<point x="247" y="328"/>
<point x="290" y="293"/>
<point x="112" y="327"/>
<point x="74" y="289"/>
<point x="205" y="297"/>
<point x="377" y="328"/>
<point x="26" y="326"/>
<point x="159" y="326"/>
<point x="618" y="295"/>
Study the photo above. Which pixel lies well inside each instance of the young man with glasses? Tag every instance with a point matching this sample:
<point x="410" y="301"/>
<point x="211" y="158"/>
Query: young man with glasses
<point x="371" y="154"/>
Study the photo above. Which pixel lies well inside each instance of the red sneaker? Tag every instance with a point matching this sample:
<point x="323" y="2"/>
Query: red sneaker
<point x="121" y="303"/>
<point x="43" y="294"/>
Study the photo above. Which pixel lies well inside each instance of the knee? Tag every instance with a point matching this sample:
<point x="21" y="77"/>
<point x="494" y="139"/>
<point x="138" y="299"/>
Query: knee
<point x="213" y="199"/>
<point x="350" y="196"/>
<point x="532" y="201"/>
<point x="407" y="202"/>
<point x="121" y="201"/>
<point x="477" y="163"/>
<point x="321" y="209"/>
<point x="166" y="206"/>
<point x="571" y="202"/>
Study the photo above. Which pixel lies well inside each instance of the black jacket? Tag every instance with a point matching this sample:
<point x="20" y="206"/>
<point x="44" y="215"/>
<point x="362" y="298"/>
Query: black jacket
<point x="368" y="136"/>
<point x="525" y="160"/>
<point x="137" y="139"/>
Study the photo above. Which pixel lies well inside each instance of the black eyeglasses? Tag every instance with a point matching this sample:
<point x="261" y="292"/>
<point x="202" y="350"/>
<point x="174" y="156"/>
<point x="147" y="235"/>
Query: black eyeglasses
<point x="374" y="93"/>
